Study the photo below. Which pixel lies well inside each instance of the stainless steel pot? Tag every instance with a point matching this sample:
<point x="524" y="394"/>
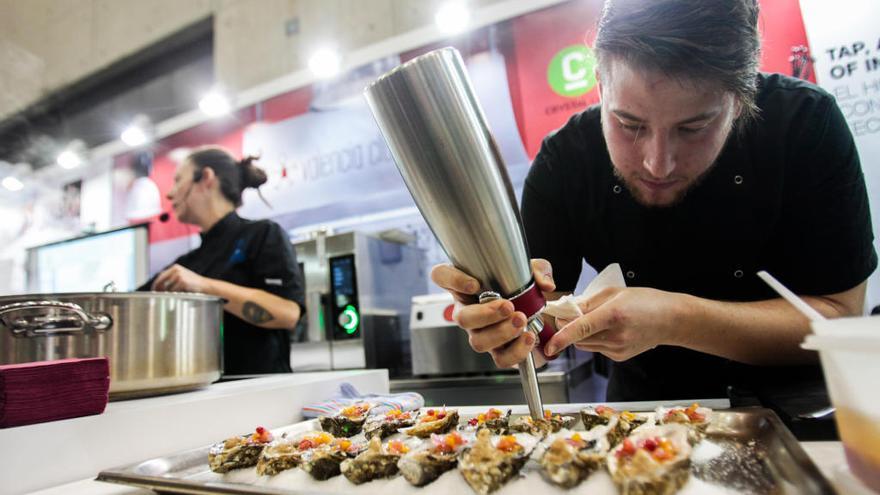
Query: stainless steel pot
<point x="157" y="342"/>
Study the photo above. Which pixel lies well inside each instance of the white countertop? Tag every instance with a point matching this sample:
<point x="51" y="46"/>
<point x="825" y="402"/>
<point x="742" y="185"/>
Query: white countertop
<point x="59" y="452"/>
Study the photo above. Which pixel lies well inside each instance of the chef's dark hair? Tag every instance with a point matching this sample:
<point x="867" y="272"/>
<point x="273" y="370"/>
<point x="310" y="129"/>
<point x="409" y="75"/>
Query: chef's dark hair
<point x="234" y="175"/>
<point x="691" y="40"/>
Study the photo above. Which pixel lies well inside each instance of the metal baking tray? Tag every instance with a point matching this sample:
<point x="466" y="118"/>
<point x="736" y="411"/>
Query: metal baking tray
<point x="745" y="451"/>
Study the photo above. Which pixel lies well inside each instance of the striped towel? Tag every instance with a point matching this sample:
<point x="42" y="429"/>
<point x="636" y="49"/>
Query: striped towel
<point x="348" y="395"/>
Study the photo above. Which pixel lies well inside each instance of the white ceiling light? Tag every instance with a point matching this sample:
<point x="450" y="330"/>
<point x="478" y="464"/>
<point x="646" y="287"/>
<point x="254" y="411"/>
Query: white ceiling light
<point x="452" y="17"/>
<point x="325" y="63"/>
<point x="134" y="135"/>
<point x="12" y="184"/>
<point x="68" y="159"/>
<point x="214" y="104"/>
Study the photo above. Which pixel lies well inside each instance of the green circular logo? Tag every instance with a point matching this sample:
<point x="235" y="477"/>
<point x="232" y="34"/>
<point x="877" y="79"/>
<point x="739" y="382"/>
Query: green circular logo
<point x="570" y="73"/>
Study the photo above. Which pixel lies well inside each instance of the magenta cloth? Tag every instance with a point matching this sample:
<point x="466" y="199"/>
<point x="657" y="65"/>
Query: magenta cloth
<point x="51" y="390"/>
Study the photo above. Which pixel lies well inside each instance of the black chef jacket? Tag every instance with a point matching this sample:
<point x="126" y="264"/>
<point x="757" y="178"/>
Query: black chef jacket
<point x="254" y="254"/>
<point x="787" y="196"/>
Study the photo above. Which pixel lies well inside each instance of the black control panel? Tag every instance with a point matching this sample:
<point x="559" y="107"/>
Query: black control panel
<point x="344" y="308"/>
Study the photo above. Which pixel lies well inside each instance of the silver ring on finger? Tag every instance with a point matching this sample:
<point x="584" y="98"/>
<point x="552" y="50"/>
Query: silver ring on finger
<point x="489" y="296"/>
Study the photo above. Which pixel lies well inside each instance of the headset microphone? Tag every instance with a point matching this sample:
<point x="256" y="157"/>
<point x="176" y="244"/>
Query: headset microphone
<point x="197" y="176"/>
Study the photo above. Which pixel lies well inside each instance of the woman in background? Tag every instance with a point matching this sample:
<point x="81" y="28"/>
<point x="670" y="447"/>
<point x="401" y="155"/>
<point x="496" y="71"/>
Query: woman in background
<point x="251" y="264"/>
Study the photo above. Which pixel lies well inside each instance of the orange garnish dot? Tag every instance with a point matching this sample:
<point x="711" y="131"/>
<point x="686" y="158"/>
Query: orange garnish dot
<point x="604" y="410"/>
<point x="355" y="410"/>
<point x="397" y="447"/>
<point x="508" y="443"/>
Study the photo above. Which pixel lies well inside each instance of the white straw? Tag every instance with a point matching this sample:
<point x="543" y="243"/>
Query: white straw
<point x="791" y="297"/>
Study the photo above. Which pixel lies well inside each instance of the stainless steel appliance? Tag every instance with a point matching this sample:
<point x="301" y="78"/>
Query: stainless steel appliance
<point x="156" y="342"/>
<point x="358" y="292"/>
<point x="565" y="380"/>
<point x="429" y="115"/>
<point x="439" y="346"/>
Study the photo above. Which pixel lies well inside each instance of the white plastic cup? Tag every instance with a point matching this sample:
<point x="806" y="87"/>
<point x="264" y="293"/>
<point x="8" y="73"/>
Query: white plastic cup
<point x="849" y="349"/>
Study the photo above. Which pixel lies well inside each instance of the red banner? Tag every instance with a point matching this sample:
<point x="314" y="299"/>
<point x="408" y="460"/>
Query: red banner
<point x="541" y="37"/>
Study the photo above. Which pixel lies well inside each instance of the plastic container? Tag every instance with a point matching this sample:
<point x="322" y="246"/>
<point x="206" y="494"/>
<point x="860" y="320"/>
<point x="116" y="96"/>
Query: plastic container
<point x="849" y="349"/>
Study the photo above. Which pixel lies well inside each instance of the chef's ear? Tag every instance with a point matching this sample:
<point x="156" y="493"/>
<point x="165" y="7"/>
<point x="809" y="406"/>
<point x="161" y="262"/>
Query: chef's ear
<point x="208" y="176"/>
<point x="737" y="108"/>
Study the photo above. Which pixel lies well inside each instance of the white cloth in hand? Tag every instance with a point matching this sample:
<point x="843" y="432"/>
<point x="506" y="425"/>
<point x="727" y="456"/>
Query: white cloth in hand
<point x="567" y="307"/>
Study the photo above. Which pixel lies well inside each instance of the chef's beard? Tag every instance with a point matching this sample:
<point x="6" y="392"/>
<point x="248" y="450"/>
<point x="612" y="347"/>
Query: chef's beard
<point x="636" y="193"/>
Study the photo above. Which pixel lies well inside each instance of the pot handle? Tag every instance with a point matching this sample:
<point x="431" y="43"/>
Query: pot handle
<point x="46" y="325"/>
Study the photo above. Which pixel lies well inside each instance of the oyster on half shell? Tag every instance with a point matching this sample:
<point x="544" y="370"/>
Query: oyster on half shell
<point x="286" y="453"/>
<point x="592" y="417"/>
<point x="694" y="416"/>
<point x="550" y="423"/>
<point x="492" y="419"/>
<point x="238" y="452"/>
<point x="348" y="422"/>
<point x="622" y="425"/>
<point x="422" y="466"/>
<point x="377" y="461"/>
<point x="490" y="463"/>
<point x="653" y="461"/>
<point x="324" y="462"/>
<point x="387" y="424"/>
<point x="434" y="421"/>
<point x="572" y="456"/>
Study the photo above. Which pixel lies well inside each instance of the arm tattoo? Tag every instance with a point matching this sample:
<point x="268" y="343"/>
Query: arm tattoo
<point x="255" y="313"/>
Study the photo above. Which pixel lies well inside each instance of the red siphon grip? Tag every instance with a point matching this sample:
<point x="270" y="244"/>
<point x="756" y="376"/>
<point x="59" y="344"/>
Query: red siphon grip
<point x="530" y="302"/>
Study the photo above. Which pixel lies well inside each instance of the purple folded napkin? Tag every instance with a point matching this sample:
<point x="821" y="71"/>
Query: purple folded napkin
<point x="51" y="390"/>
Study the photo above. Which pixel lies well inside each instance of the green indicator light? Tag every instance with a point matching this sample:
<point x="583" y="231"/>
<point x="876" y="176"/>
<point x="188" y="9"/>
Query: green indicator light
<point x="354" y="319"/>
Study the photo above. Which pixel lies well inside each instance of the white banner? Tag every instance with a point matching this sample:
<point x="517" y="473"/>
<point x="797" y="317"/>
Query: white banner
<point x="844" y="38"/>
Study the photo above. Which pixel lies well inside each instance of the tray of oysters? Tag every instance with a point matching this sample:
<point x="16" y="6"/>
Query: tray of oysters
<point x="573" y="448"/>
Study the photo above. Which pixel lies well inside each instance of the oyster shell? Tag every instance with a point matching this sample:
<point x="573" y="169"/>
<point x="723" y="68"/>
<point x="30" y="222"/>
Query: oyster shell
<point x="425" y="465"/>
<point x="434" y="421"/>
<point x="652" y="461"/>
<point x="592" y="417"/>
<point x="378" y="461"/>
<point x="488" y="465"/>
<point x="389" y="423"/>
<point x="493" y="420"/>
<point x="324" y="462"/>
<point x="287" y="453"/>
<point x="550" y="423"/>
<point x="572" y="457"/>
<point x="622" y="425"/>
<point x="695" y="416"/>
<point x="238" y="452"/>
<point x="347" y="422"/>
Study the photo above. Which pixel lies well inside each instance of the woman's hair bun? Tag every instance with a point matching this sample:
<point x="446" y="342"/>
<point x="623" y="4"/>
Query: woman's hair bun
<point x="251" y="175"/>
